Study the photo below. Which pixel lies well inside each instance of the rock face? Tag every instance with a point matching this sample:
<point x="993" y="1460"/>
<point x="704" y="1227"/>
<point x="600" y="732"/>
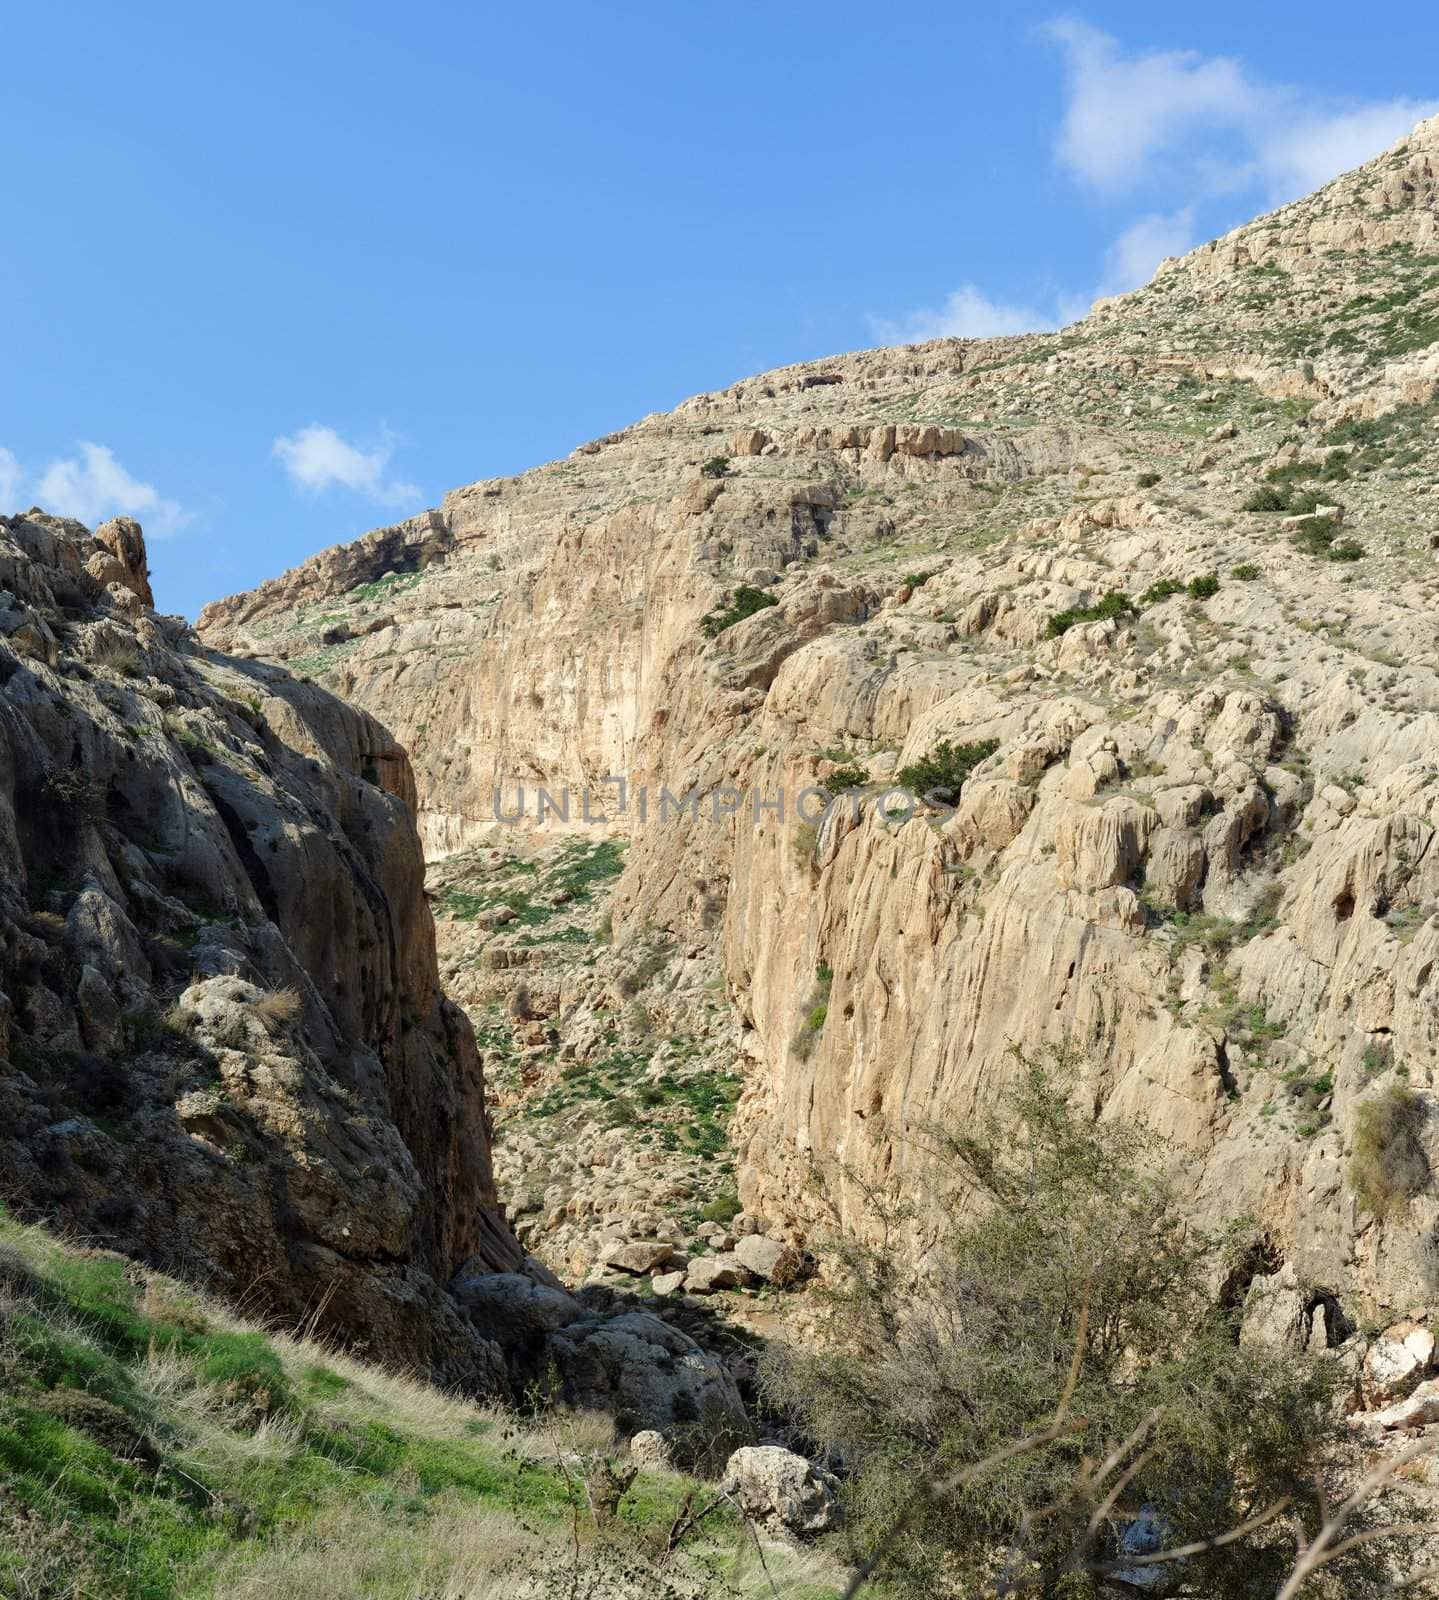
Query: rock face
<point x="223" y="1046"/>
<point x="1200" y="856"/>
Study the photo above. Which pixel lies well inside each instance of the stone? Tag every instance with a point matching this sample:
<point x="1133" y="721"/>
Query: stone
<point x="635" y="1366"/>
<point x="782" y="1492"/>
<point x="99" y="1011"/>
<point x="775" y="1262"/>
<point x="667" y="1283"/>
<point x="1419" y="1410"/>
<point x="1396" y="1363"/>
<point x="637" y="1256"/>
<point x="123" y="538"/>
<point x="652" y="1451"/>
<point x="706" y="1274"/>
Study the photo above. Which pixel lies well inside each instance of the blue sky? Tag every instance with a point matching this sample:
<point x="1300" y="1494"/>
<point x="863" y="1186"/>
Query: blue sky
<point x="274" y="275"/>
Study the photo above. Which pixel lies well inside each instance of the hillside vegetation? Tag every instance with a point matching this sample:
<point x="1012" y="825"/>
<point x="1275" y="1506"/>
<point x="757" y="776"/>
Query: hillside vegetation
<point x="154" y="1445"/>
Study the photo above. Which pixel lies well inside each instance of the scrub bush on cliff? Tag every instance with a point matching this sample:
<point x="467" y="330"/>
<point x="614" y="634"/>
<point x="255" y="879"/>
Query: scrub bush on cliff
<point x="1067" y="1300"/>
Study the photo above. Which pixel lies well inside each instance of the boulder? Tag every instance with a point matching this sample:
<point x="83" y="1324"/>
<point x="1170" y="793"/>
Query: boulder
<point x="633" y="1366"/>
<point x="1418" y="1411"/>
<point x="782" y="1492"/>
<point x="709" y="1273"/>
<point x="664" y="1283"/>
<point x="638" y="1256"/>
<point x="769" y="1259"/>
<point x="122" y="537"/>
<point x="1396" y="1363"/>
<point x="647" y="1374"/>
<point x="651" y="1450"/>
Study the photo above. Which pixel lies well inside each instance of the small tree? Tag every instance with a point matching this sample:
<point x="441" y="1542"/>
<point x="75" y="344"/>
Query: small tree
<point x="942" y="773"/>
<point x="1057" y="1382"/>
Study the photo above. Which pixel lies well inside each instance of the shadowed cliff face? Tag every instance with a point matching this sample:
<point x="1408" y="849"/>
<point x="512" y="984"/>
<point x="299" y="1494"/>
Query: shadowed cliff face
<point x="223" y="1047"/>
<point x="1200" y="856"/>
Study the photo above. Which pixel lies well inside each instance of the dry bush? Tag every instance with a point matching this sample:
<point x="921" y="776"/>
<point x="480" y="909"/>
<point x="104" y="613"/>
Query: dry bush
<point x="277" y="1008"/>
<point x="117" y="654"/>
<point x="1388" y="1166"/>
<point x="1075" y="1287"/>
<point x="76" y="793"/>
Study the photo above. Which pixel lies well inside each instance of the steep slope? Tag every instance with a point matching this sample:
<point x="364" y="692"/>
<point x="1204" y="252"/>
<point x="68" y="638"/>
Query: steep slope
<point x="1199" y="856"/>
<point x="154" y="1445"/>
<point x="224" y="1046"/>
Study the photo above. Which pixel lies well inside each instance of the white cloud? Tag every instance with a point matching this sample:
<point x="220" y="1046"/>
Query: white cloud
<point x="89" y="486"/>
<point x="967" y="313"/>
<point x="1309" y="152"/>
<point x="1190" y="128"/>
<point x="1208" y="122"/>
<point x="1124" y="110"/>
<point x="317" y="458"/>
<point x="1133" y="257"/>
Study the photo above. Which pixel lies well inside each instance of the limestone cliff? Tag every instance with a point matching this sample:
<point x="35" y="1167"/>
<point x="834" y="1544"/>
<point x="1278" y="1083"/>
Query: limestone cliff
<point x="1200" y="856"/>
<point x="223" y="1045"/>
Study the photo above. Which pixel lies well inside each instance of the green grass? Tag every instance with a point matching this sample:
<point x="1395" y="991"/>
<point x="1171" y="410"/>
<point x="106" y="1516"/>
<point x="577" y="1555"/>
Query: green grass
<point x="154" y="1447"/>
<point x="679" y="1110"/>
<point x="576" y="873"/>
<point x="392" y="584"/>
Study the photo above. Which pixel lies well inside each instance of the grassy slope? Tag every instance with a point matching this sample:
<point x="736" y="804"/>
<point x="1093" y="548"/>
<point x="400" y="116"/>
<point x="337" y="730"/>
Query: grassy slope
<point x="154" y="1445"/>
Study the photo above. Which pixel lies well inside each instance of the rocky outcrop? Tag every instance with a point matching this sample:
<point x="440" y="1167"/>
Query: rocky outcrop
<point x="223" y="1046"/>
<point x="630" y="1364"/>
<point x="1199" y="859"/>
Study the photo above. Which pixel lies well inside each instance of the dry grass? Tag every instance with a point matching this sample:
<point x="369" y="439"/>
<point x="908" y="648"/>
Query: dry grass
<point x="116" y="653"/>
<point x="277" y="1008"/>
<point x="1388" y="1166"/>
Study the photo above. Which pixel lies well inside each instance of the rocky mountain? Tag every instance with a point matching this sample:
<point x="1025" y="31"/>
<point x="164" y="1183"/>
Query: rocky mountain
<point x="224" y="1049"/>
<point x="1159" y="590"/>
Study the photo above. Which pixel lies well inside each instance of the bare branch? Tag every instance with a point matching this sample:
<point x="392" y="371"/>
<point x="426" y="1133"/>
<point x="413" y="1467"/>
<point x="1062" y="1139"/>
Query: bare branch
<point x="1323" y="1547"/>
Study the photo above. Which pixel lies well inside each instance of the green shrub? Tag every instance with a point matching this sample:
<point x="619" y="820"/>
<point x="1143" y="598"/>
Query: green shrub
<point x="1202" y="588"/>
<point x="1161" y="591"/>
<point x="1318" y="536"/>
<point x="917" y="580"/>
<point x="715" y="467"/>
<point x="1388" y="1166"/>
<point x="1114" y="605"/>
<point x="1363" y="431"/>
<point x="723" y="1208"/>
<point x="1069" y="1286"/>
<point x="747" y="601"/>
<point x="1245" y="571"/>
<point x="942" y="773"/>
<point x="1147" y="480"/>
<point x="847" y="777"/>
<point x="816" y="1014"/>
<point x="1290" y="498"/>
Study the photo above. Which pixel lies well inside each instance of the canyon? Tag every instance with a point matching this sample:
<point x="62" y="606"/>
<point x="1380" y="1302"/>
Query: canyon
<point x="1170" y="572"/>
